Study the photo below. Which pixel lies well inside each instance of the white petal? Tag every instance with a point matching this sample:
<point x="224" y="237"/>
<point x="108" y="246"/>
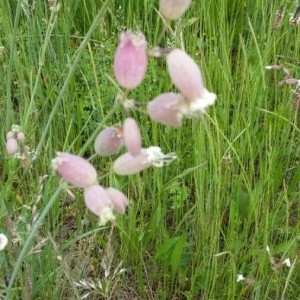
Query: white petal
<point x="287" y="262"/>
<point x="3" y="241"/>
<point x="240" y="277"/>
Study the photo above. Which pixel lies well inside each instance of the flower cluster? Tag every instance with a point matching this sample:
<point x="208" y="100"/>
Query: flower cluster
<point x="274" y="265"/>
<point x="13" y="138"/>
<point x="167" y="108"/>
<point x="130" y="67"/>
<point x="277" y="265"/>
<point x="247" y="280"/>
<point x="111" y="139"/>
<point x="80" y="173"/>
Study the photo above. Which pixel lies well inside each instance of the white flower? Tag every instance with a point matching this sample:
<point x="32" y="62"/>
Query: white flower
<point x="287" y="262"/>
<point x="3" y="241"/>
<point x="240" y="277"/>
<point x="200" y="104"/>
<point x="106" y="215"/>
<point x="157" y="158"/>
<point x="126" y="164"/>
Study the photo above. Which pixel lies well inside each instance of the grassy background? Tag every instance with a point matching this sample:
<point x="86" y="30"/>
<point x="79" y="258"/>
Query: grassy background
<point x="191" y="227"/>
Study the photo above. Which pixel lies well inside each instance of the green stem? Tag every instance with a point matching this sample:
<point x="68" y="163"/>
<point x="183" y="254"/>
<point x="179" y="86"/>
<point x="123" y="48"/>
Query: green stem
<point x="8" y="101"/>
<point x="52" y="22"/>
<point x="71" y="72"/>
<point x="29" y="240"/>
<point x="46" y="210"/>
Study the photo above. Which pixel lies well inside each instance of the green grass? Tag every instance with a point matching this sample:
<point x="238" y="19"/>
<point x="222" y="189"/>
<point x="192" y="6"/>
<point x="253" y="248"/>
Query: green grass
<point x="192" y="226"/>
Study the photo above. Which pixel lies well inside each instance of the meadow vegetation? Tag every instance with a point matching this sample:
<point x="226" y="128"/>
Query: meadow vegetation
<point x="229" y="205"/>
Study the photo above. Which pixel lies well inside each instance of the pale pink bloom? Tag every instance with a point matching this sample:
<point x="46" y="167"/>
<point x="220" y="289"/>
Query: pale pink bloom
<point x="21" y="137"/>
<point x="128" y="164"/>
<point x="130" y="63"/>
<point x="279" y="265"/>
<point x="186" y="76"/>
<point x="10" y="135"/>
<point x="109" y="141"/>
<point x="98" y="202"/>
<point x="118" y="199"/>
<point x="292" y="81"/>
<point x="173" y="9"/>
<point x="132" y="136"/>
<point x="75" y="169"/>
<point x="11" y="146"/>
<point x="286" y="262"/>
<point x="165" y="109"/>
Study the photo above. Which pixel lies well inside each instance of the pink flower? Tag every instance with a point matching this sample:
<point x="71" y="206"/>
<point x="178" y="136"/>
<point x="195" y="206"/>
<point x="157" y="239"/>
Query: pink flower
<point x="173" y="9"/>
<point x="132" y="136"/>
<point x="130" y="63"/>
<point x="21" y="137"/>
<point x="118" y="199"/>
<point x="186" y="76"/>
<point x="165" y="109"/>
<point x="292" y="81"/>
<point x="11" y="146"/>
<point x="97" y="200"/>
<point x="10" y="135"/>
<point x="127" y="164"/>
<point x="75" y="169"/>
<point x="109" y="141"/>
<point x="13" y="137"/>
<point x="15" y="128"/>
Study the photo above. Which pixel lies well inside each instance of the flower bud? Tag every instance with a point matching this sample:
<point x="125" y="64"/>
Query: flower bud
<point x="11" y="146"/>
<point x="75" y="169"/>
<point x="132" y="136"/>
<point x="292" y="81"/>
<point x="118" y="199"/>
<point x="21" y="137"/>
<point x="109" y="141"/>
<point x="173" y="9"/>
<point x="97" y="200"/>
<point x="130" y="63"/>
<point x="10" y="135"/>
<point x="127" y="164"/>
<point x="186" y="76"/>
<point x="165" y="109"/>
